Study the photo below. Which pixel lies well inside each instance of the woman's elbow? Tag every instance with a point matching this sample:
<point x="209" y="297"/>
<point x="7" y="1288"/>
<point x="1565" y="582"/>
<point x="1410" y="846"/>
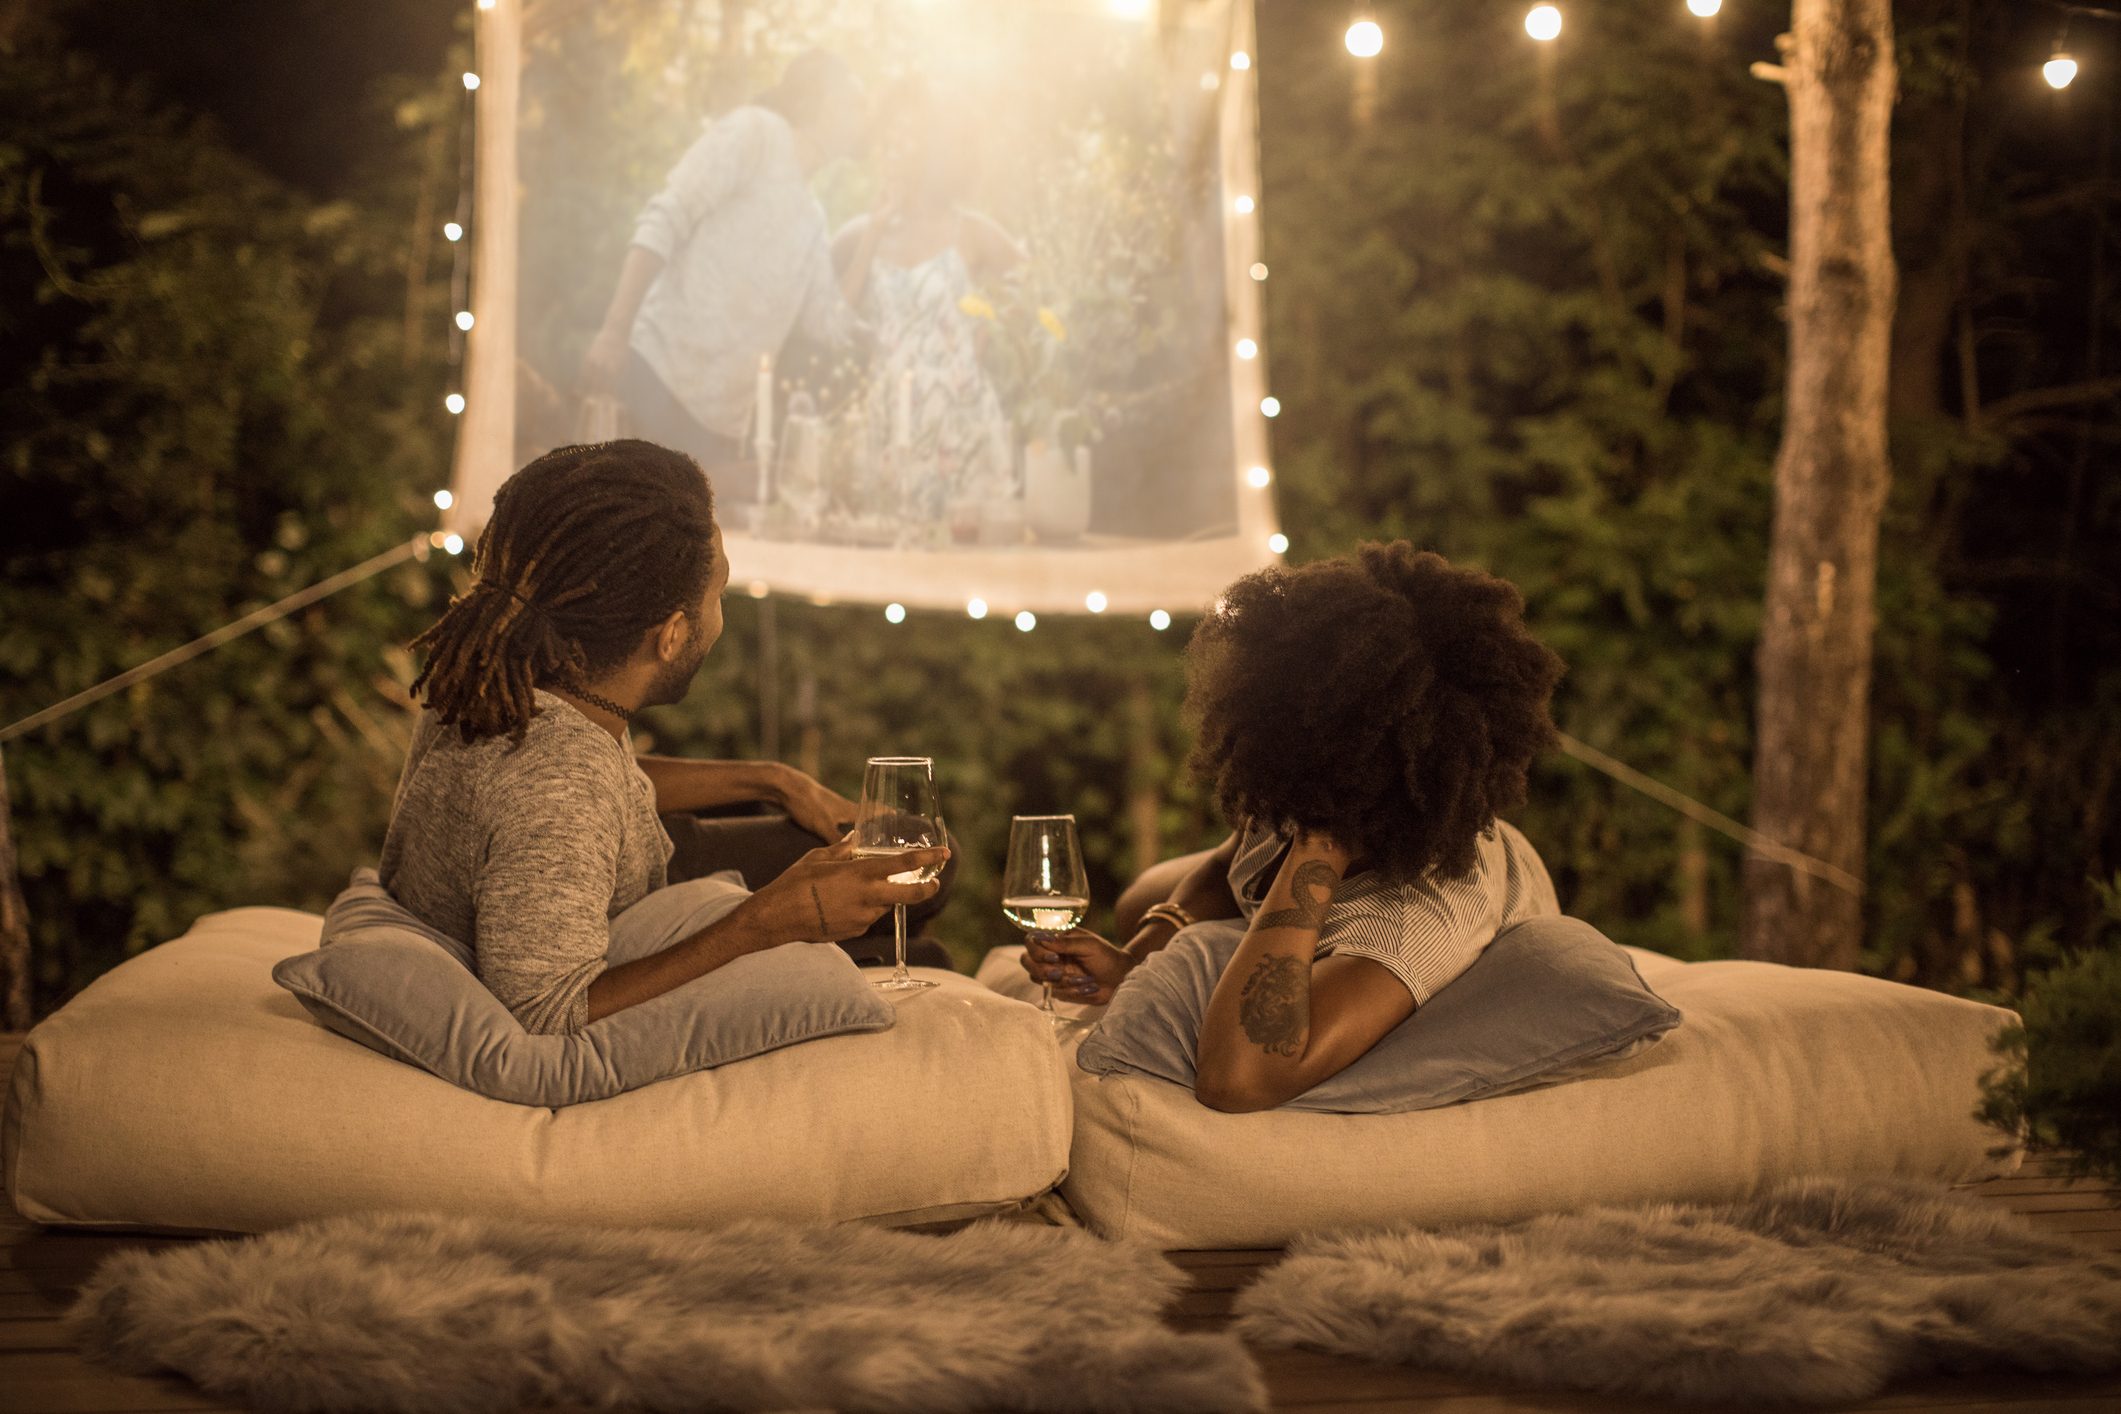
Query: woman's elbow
<point x="1231" y="1095"/>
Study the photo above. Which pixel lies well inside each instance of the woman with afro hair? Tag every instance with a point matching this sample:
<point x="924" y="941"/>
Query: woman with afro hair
<point x="1363" y="720"/>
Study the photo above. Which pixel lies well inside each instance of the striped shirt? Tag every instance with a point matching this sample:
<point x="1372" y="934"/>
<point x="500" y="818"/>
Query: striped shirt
<point x="1424" y="932"/>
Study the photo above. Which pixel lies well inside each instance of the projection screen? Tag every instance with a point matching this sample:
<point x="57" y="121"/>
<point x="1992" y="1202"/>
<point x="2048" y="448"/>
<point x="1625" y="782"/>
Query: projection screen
<point x="953" y="299"/>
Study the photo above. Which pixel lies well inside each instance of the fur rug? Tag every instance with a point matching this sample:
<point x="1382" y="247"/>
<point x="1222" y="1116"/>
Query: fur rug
<point x="1816" y="1291"/>
<point x="425" y="1313"/>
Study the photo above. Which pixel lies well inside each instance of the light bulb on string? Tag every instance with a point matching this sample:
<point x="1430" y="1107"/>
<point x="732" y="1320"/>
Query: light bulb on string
<point x="464" y="320"/>
<point x="895" y="613"/>
<point x="1543" y="22"/>
<point x="486" y="4"/>
<point x="758" y="589"/>
<point x="976" y="609"/>
<point x="1243" y="205"/>
<point x="471" y="81"/>
<point x="454" y="402"/>
<point x="1278" y="543"/>
<point x="1240" y="61"/>
<point x="2059" y="71"/>
<point x="453" y="543"/>
<point x="1259" y="476"/>
<point x="1706" y="9"/>
<point x="1159" y="620"/>
<point x="1365" y="40"/>
<point x="452" y="232"/>
<point x="444" y="499"/>
<point x="1026" y="621"/>
<point x="1259" y="270"/>
<point x="1270" y="407"/>
<point x="1095" y="601"/>
<point x="1247" y="349"/>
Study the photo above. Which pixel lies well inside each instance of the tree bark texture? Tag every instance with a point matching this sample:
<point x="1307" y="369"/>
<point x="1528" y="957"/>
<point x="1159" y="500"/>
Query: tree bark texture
<point x="14" y="928"/>
<point x="1831" y="476"/>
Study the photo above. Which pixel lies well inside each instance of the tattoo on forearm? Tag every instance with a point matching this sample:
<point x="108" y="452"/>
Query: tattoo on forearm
<point x="1276" y="1008"/>
<point x="1310" y="894"/>
<point x="824" y="929"/>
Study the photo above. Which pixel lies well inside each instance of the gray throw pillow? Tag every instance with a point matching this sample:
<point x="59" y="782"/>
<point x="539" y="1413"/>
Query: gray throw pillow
<point x="386" y="980"/>
<point x="1549" y="999"/>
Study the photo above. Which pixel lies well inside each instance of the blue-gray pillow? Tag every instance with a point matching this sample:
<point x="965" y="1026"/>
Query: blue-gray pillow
<point x="1549" y="999"/>
<point x="386" y="980"/>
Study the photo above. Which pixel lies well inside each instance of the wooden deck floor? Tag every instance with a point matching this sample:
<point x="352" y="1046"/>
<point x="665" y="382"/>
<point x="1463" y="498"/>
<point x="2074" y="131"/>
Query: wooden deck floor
<point x="40" y="1271"/>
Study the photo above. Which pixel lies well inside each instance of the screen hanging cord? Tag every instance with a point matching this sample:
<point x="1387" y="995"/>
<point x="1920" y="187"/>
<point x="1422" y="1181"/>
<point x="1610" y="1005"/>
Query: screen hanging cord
<point x="257" y="618"/>
<point x="1694" y="810"/>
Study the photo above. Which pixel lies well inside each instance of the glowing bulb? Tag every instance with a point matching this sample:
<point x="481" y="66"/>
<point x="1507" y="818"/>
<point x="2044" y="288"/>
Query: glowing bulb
<point x="1259" y="476"/>
<point x="1365" y="39"/>
<point x="1159" y="620"/>
<point x="756" y="589"/>
<point x="976" y="609"/>
<point x="1247" y="349"/>
<point x="2059" y="70"/>
<point x="1543" y="23"/>
<point x="454" y="402"/>
<point x="454" y="544"/>
<point x="452" y="232"/>
<point x="1278" y="543"/>
<point x="443" y="500"/>
<point x="1704" y="8"/>
<point x="1259" y="270"/>
<point x="471" y="82"/>
<point x="1242" y="206"/>
<point x="1240" y="61"/>
<point x="486" y="4"/>
<point x="895" y="613"/>
<point x="1094" y="601"/>
<point x="1270" y="407"/>
<point x="464" y="320"/>
<point x="1026" y="621"/>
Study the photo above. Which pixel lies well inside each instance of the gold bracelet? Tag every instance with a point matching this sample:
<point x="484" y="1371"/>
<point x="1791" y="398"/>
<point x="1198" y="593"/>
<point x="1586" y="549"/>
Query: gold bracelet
<point x="1171" y="913"/>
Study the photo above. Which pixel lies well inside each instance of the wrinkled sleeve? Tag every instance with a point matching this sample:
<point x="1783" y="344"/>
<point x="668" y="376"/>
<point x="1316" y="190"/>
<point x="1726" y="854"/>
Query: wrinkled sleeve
<point x="1424" y="933"/>
<point x="723" y="159"/>
<point x="544" y="890"/>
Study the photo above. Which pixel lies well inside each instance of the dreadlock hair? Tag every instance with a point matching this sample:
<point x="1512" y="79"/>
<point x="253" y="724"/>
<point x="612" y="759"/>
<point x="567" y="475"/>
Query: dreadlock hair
<point x="588" y="548"/>
<point x="1386" y="699"/>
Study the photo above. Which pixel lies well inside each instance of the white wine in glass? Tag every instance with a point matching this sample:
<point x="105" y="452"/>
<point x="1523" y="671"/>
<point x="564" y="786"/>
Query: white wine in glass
<point x="899" y="812"/>
<point x="1045" y="889"/>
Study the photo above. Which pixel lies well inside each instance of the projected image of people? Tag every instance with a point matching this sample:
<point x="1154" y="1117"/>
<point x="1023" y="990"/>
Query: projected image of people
<point x="937" y="276"/>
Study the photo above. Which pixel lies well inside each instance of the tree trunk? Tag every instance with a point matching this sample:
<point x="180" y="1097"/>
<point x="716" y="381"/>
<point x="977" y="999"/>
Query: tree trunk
<point x="1831" y="476"/>
<point x="14" y="928"/>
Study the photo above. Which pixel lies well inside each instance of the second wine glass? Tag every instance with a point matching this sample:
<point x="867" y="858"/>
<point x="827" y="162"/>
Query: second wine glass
<point x="1045" y="889"/>
<point x="899" y="811"/>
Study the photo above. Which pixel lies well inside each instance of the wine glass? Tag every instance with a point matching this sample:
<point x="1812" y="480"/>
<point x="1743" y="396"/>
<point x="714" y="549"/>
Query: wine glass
<point x="899" y="812"/>
<point x="1044" y="887"/>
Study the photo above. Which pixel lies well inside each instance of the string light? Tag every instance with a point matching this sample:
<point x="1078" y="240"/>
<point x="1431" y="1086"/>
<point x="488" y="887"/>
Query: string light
<point x="454" y="402"/>
<point x="453" y="543"/>
<point x="452" y="232"/>
<point x="1259" y="476"/>
<point x="1278" y="543"/>
<point x="1543" y="23"/>
<point x="895" y="613"/>
<point x="1247" y="349"/>
<point x="1240" y="61"/>
<point x="1705" y="8"/>
<point x="2059" y="71"/>
<point x="486" y="4"/>
<point x="464" y="320"/>
<point x="1095" y="601"/>
<point x="471" y="80"/>
<point x="976" y="609"/>
<point x="1159" y="620"/>
<point x="1026" y="621"/>
<point x="1259" y="270"/>
<point x="1365" y="40"/>
<point x="1242" y="206"/>
<point x="1270" y="407"/>
<point x="757" y="589"/>
<point x="444" y="500"/>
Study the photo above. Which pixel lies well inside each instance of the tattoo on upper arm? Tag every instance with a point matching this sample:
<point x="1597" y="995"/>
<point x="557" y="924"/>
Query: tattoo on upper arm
<point x="1310" y="894"/>
<point x="824" y="929"/>
<point x="1275" y="1011"/>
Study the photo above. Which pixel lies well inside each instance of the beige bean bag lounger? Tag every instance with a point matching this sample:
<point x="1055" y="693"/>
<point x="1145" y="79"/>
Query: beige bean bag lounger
<point x="185" y="1091"/>
<point x="1776" y="1072"/>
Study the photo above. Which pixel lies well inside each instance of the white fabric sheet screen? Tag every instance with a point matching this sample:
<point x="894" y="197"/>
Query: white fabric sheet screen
<point x="953" y="298"/>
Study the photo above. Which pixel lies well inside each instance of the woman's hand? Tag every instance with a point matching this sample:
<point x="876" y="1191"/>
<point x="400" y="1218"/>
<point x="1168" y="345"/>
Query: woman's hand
<point x="1081" y="966"/>
<point x="822" y="811"/>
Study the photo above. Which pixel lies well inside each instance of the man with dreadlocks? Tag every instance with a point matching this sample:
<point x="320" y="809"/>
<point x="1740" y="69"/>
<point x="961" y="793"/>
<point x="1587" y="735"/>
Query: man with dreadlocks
<point x="1362" y="720"/>
<point x="525" y="825"/>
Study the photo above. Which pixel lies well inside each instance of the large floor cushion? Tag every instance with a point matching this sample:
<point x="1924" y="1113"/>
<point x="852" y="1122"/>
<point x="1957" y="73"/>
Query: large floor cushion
<point x="183" y="1090"/>
<point x="1776" y="1072"/>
